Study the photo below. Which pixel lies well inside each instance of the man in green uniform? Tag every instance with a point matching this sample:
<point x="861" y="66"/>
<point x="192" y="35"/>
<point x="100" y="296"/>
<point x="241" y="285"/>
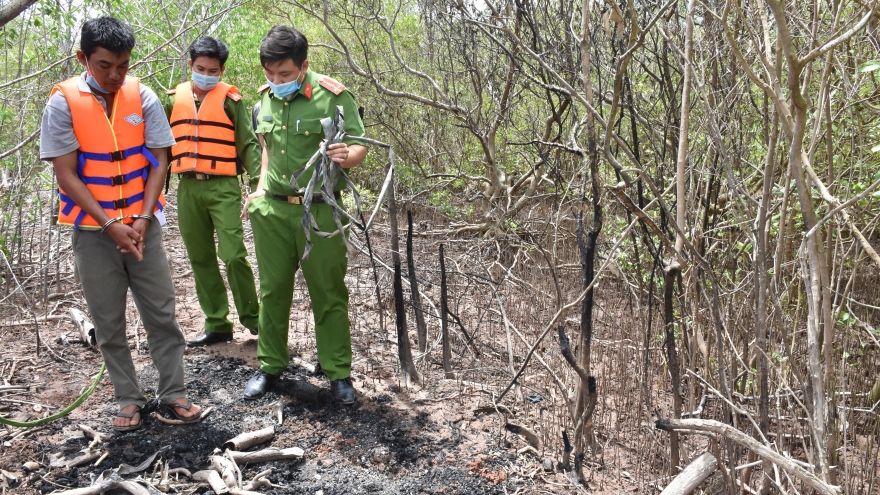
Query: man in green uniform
<point x="214" y="134"/>
<point x="292" y="106"/>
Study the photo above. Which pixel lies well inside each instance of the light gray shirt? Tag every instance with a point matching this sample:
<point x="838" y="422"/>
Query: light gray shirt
<point x="57" y="137"/>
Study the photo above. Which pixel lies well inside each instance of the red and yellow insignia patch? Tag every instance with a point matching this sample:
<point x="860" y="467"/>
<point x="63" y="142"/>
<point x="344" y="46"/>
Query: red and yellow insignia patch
<point x="233" y="94"/>
<point x="331" y="85"/>
<point x="308" y="91"/>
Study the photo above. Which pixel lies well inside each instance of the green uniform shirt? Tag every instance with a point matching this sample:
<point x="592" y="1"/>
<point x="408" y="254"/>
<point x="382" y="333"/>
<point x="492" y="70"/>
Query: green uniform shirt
<point x="291" y="128"/>
<point x="247" y="148"/>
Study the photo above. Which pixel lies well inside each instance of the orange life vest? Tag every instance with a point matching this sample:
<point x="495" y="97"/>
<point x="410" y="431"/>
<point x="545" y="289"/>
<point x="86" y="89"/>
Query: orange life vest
<point x="113" y="161"/>
<point x="205" y="136"/>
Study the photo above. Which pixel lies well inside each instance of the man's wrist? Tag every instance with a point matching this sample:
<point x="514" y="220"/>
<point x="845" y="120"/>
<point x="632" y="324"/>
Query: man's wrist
<point x="110" y="222"/>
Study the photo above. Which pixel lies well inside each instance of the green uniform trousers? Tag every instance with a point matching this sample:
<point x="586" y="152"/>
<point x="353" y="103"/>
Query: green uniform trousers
<point x="279" y="241"/>
<point x="202" y="207"/>
<point x="106" y="276"/>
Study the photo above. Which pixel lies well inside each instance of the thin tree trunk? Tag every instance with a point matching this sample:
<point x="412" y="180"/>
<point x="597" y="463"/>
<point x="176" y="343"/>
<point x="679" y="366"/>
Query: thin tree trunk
<point x="588" y="246"/>
<point x="444" y="319"/>
<point x="421" y="329"/>
<point x="404" y="352"/>
<point x="684" y="124"/>
<point x="670" y="274"/>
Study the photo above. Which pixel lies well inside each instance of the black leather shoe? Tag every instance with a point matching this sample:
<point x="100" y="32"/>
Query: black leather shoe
<point x="259" y="384"/>
<point x="343" y="391"/>
<point x="209" y="338"/>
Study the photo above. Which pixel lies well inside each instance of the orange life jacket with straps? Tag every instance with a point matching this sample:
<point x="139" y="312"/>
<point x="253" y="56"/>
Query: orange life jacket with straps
<point x="113" y="161"/>
<point x="205" y="136"/>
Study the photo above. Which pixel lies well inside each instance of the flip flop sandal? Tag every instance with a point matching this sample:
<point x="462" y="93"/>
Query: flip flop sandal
<point x="172" y="409"/>
<point x="133" y="427"/>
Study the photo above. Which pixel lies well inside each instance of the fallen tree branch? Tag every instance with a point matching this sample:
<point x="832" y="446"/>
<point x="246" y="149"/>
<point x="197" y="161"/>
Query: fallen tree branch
<point x="246" y="440"/>
<point x="84" y="326"/>
<point x="227" y="470"/>
<point x="265" y="455"/>
<point x="110" y="483"/>
<point x="96" y="436"/>
<point x="259" y="481"/>
<point x="78" y="459"/>
<point x="526" y="433"/>
<point x="213" y="478"/>
<point x="302" y="363"/>
<point x="690" y="478"/>
<point x="167" y="421"/>
<point x="731" y="433"/>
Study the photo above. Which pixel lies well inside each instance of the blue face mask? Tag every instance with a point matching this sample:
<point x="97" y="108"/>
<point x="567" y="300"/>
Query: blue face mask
<point x="203" y="82"/>
<point x="285" y="89"/>
<point x="91" y="81"/>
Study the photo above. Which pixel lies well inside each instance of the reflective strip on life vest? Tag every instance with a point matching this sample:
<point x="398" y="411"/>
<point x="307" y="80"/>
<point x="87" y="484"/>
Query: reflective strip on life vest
<point x="202" y="122"/>
<point x="116" y="156"/>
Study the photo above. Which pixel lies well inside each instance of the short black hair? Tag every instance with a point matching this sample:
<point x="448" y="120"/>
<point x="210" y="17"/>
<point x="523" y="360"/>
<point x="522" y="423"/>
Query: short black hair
<point x="207" y="46"/>
<point x="281" y="43"/>
<point x="108" y="33"/>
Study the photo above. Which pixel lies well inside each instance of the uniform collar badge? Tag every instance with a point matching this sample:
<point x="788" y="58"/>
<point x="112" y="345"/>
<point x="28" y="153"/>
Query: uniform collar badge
<point x="308" y="91"/>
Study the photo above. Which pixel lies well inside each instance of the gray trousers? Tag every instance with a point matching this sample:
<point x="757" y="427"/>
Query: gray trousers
<point x="106" y="276"/>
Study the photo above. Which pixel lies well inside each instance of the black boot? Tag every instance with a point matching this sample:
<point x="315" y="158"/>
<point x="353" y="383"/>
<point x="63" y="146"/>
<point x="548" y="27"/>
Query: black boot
<point x="343" y="391"/>
<point x="209" y="338"/>
<point x="259" y="384"/>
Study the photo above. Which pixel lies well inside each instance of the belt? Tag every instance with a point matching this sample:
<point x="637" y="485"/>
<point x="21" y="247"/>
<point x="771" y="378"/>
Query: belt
<point x="298" y="200"/>
<point x="201" y="176"/>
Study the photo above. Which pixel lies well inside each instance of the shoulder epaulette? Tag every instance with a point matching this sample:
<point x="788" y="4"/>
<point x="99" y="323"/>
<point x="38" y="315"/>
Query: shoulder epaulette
<point x="170" y="91"/>
<point x="262" y="88"/>
<point x="233" y="94"/>
<point x="331" y="85"/>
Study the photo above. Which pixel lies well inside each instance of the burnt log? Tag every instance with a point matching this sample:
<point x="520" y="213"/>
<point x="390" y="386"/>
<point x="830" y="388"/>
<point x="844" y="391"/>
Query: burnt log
<point x="247" y="440"/>
<point x="265" y="455"/>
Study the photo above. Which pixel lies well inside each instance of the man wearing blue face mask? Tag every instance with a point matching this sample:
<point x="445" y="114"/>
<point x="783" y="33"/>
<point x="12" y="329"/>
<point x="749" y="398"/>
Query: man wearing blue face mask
<point x="293" y="103"/>
<point x="213" y="130"/>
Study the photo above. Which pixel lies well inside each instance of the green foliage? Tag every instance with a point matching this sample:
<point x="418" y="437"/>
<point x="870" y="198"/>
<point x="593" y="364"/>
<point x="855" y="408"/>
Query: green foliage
<point x="870" y="66"/>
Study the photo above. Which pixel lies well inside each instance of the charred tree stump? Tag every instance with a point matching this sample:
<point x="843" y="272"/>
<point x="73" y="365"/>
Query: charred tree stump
<point x="690" y="478"/>
<point x="404" y="352"/>
<point x="421" y="329"/>
<point x="444" y="316"/>
<point x="566" y="452"/>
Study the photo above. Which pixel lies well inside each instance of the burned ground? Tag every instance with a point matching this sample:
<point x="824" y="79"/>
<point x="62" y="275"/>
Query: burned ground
<point x="379" y="445"/>
<point x="436" y="436"/>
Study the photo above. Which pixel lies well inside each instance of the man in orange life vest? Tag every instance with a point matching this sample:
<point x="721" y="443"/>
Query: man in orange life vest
<point x="213" y="130"/>
<point x="106" y="136"/>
